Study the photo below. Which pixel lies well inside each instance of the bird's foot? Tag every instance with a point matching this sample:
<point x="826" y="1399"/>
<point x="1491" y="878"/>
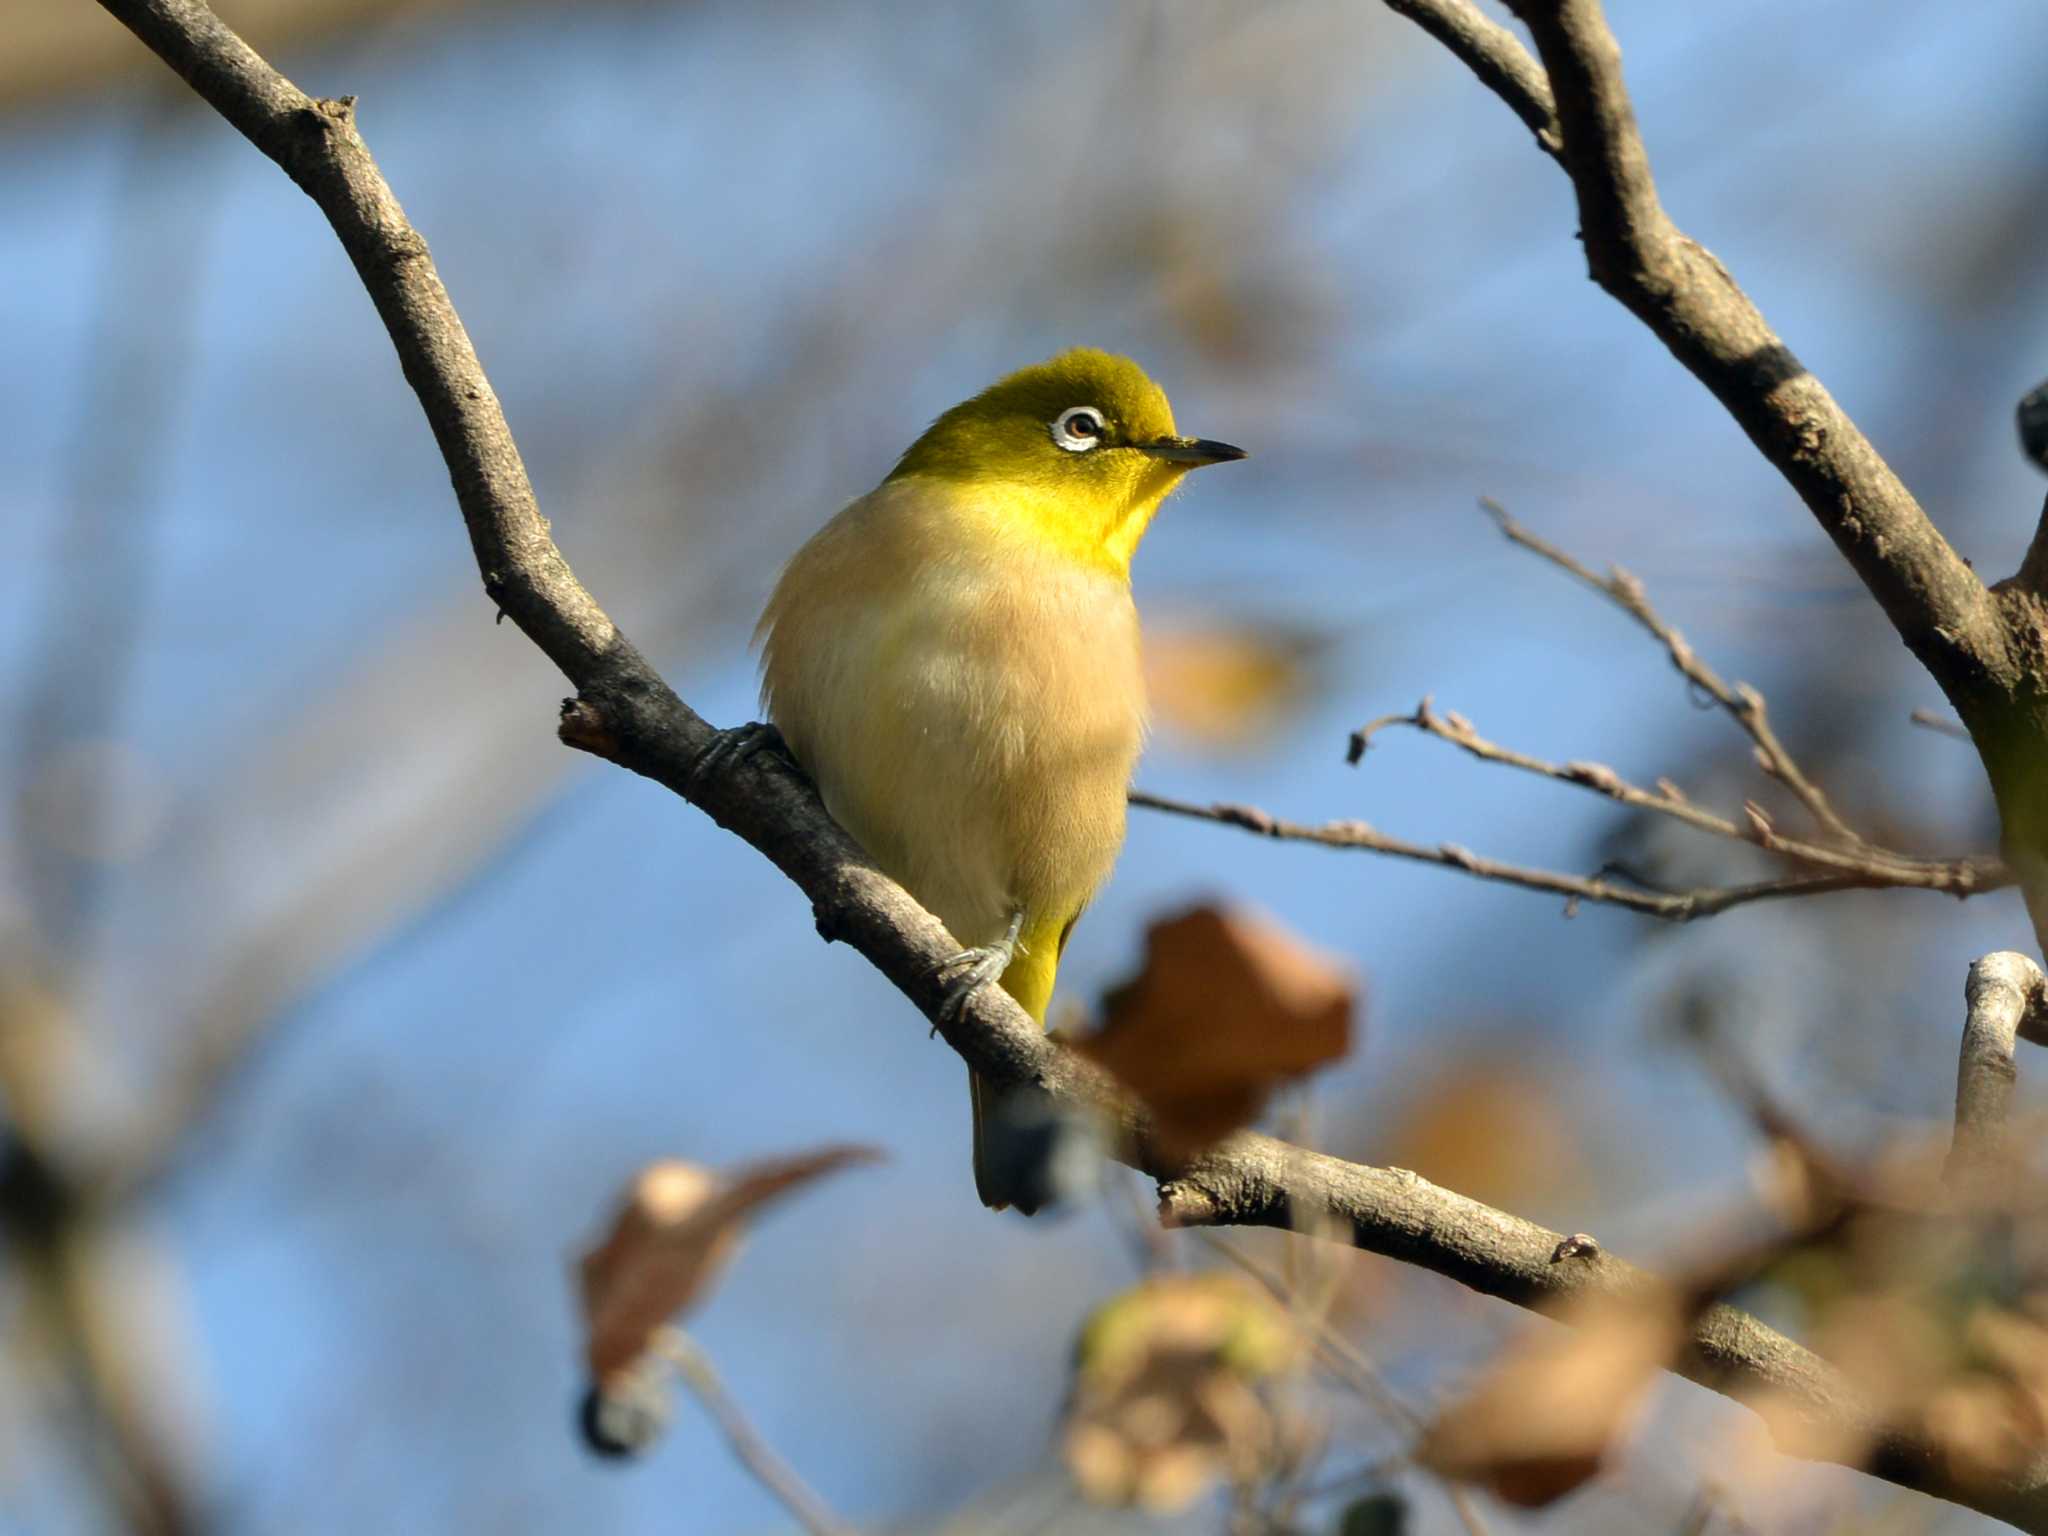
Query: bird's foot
<point x="728" y="749"/>
<point x="972" y="969"/>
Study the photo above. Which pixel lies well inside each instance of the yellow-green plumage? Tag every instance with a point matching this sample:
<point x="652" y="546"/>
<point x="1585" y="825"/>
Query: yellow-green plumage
<point x="954" y="657"/>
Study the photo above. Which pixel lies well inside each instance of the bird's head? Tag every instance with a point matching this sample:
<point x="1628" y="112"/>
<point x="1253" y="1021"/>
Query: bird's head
<point x="1081" y="447"/>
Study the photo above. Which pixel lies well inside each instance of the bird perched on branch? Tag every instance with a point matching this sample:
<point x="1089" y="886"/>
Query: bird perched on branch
<point x="954" y="660"/>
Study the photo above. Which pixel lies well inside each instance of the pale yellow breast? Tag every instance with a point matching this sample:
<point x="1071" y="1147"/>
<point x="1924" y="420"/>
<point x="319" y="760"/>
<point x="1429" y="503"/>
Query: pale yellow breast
<point x="969" y="702"/>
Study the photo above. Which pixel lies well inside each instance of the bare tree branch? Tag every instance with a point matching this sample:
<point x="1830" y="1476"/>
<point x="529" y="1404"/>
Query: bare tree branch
<point x="57" y="1225"/>
<point x="1857" y="863"/>
<point x="2008" y="1001"/>
<point x="755" y="1453"/>
<point x="1256" y="1181"/>
<point x="1497" y="57"/>
<point x="1963" y="877"/>
<point x="2033" y="572"/>
<point x="624" y="711"/>
<point x="1683" y="294"/>
<point x="1350" y="1365"/>
<point x="1940" y="724"/>
<point x="1743" y="703"/>
<point x="1986" y="648"/>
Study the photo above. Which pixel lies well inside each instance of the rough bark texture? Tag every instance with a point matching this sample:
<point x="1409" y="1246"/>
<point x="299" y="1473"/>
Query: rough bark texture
<point x="2008" y="1001"/>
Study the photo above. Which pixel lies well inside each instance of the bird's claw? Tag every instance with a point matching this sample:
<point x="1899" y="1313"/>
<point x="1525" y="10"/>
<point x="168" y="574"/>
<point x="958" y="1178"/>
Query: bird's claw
<point x="967" y="973"/>
<point x="730" y="748"/>
<point x="972" y="969"/>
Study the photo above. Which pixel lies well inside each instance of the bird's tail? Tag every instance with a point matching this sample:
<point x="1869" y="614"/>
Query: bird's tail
<point x="1026" y="1155"/>
<point x="993" y="1170"/>
<point x="1011" y="1129"/>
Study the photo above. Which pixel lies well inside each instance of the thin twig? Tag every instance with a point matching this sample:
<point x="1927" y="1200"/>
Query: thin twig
<point x="755" y="1453"/>
<point x="1496" y="56"/>
<point x="1466" y="1511"/>
<point x="1964" y="877"/>
<point x="1940" y="724"/>
<point x="1743" y="703"/>
<point x="1688" y="299"/>
<point x="1348" y="1362"/>
<point x="1668" y="800"/>
<point x="2032" y="575"/>
<point x="1698" y="1516"/>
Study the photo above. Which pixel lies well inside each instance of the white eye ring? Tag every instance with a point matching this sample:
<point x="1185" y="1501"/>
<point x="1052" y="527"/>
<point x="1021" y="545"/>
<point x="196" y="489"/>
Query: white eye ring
<point x="1078" y="428"/>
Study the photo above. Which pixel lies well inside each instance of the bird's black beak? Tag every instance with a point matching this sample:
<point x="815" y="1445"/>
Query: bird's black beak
<point x="1191" y="450"/>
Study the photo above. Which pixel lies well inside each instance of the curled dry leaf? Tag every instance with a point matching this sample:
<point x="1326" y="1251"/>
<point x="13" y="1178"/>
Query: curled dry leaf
<point x="1544" y="1418"/>
<point x="1166" y="1395"/>
<point x="1225" y="1009"/>
<point x="676" y="1228"/>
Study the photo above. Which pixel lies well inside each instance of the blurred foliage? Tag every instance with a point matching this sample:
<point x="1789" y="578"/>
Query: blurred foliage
<point x="1231" y="690"/>
<point x="1166" y="1391"/>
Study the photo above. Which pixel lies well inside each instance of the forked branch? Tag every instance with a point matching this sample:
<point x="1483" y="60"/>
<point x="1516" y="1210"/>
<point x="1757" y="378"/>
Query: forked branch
<point x="1683" y="294"/>
<point x="1610" y="887"/>
<point x="1677" y="288"/>
<point x="1743" y="703"/>
<point x="1846" y="861"/>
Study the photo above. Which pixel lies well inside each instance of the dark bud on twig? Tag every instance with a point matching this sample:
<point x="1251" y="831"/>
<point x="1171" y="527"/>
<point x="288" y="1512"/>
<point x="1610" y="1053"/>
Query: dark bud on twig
<point x="626" y="1418"/>
<point x="2033" y="422"/>
<point x="1379" y="1514"/>
<point x="1935" y="721"/>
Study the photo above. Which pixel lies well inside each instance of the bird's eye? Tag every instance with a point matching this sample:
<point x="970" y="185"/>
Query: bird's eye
<point x="1078" y="429"/>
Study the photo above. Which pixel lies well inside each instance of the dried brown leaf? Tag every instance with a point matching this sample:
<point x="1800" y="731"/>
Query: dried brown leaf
<point x="1543" y="1419"/>
<point x="677" y="1226"/>
<point x="1225" y="1008"/>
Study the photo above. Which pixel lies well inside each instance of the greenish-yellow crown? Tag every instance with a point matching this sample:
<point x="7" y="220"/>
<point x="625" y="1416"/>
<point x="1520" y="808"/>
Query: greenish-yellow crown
<point x="1080" y="449"/>
<point x="1011" y="430"/>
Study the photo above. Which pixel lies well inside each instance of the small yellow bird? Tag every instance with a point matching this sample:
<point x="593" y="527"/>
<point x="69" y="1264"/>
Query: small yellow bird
<point x="954" y="660"/>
